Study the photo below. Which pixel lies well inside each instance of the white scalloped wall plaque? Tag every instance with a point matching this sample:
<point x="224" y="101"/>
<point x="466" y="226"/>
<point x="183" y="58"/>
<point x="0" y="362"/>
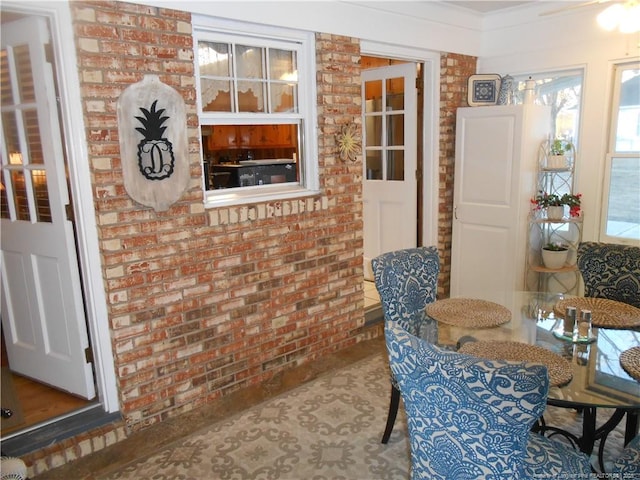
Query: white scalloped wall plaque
<point x="152" y="125"/>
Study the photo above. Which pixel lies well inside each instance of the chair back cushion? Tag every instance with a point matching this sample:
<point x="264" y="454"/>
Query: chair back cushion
<point x="407" y="280"/>
<point x="467" y="417"/>
<point x="610" y="271"/>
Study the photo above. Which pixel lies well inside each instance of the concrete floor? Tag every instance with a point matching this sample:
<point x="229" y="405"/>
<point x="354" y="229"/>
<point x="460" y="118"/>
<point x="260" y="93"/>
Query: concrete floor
<point x="150" y="440"/>
<point x="371" y="297"/>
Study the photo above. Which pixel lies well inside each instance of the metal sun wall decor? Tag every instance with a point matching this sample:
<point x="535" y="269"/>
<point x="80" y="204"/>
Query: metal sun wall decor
<point x="152" y="125"/>
<point x="349" y="143"/>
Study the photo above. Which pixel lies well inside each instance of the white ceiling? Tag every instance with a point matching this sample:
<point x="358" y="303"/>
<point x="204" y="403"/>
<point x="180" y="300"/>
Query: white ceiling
<point x="486" y="6"/>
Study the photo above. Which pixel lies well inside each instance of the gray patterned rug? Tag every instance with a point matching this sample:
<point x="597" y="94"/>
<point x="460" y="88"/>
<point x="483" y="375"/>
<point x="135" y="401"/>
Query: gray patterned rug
<point x="329" y="428"/>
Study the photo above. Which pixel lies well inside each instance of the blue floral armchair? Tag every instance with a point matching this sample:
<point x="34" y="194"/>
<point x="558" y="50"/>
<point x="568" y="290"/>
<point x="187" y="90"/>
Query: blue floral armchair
<point x="628" y="464"/>
<point x="610" y="271"/>
<point x="407" y="280"/>
<point x="471" y="418"/>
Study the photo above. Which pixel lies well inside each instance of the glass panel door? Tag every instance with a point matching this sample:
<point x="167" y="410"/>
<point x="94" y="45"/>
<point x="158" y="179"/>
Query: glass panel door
<point x="384" y="129"/>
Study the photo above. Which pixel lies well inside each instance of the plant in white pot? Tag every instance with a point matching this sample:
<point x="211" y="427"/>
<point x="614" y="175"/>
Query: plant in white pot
<point x="573" y="201"/>
<point x="557" y="156"/>
<point x="551" y="203"/>
<point x="554" y="255"/>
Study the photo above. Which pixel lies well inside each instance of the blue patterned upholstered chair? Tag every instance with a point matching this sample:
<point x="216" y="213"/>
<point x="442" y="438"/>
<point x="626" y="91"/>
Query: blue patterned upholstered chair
<point x="407" y="280"/>
<point x="610" y="271"/>
<point x="471" y="418"/>
<point x="628" y="464"/>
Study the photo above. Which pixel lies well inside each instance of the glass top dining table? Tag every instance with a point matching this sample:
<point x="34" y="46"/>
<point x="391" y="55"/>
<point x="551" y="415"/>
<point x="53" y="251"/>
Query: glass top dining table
<point x="598" y="380"/>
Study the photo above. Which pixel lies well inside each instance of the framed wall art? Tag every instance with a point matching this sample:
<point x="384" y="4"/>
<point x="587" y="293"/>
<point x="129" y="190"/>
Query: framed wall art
<point x="483" y="89"/>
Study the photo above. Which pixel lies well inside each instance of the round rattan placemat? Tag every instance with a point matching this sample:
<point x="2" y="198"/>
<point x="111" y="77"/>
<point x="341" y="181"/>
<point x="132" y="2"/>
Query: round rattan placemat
<point x="468" y="312"/>
<point x="630" y="361"/>
<point x="559" y="369"/>
<point x="604" y="313"/>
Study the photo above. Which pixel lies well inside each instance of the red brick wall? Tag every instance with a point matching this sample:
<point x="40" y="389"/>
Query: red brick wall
<point x="204" y="302"/>
<point x="455" y="69"/>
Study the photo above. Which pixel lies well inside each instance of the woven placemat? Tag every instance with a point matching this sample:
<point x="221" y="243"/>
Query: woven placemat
<point x="630" y="361"/>
<point x="604" y="313"/>
<point x="559" y="368"/>
<point x="468" y="312"/>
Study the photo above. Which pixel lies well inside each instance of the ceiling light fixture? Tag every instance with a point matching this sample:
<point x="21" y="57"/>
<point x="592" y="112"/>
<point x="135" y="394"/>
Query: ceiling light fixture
<point x="623" y="16"/>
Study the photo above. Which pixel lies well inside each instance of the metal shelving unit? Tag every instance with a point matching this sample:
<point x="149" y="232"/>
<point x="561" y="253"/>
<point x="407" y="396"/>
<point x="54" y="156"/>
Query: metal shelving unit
<point x="556" y="179"/>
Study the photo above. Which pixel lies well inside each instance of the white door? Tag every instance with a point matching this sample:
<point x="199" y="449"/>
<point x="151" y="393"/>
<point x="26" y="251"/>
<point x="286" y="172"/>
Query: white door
<point x="42" y="311"/>
<point x="390" y="190"/>
<point x="495" y="165"/>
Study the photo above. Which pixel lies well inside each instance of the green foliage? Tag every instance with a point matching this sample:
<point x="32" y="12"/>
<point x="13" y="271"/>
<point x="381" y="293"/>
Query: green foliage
<point x="544" y="200"/>
<point x="559" y="147"/>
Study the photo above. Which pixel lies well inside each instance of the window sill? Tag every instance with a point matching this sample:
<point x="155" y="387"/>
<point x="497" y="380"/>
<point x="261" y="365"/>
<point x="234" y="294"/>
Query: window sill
<point x="260" y="194"/>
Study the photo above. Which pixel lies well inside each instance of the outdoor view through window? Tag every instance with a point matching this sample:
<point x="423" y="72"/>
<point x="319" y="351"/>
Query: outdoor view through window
<point x="622" y="209"/>
<point x="561" y="91"/>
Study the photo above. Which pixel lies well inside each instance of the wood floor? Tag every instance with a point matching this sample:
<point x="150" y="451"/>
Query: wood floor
<point x="40" y="402"/>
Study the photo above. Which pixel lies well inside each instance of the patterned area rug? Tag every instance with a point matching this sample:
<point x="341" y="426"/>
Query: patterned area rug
<point x="329" y="428"/>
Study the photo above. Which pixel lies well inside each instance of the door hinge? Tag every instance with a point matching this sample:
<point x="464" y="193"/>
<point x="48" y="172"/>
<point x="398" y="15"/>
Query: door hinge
<point x="88" y="355"/>
<point x="48" y="52"/>
<point x="69" y="211"/>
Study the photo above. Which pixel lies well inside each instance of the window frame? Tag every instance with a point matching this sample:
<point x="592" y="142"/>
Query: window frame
<point x="207" y="28"/>
<point x="555" y="76"/>
<point x="612" y="152"/>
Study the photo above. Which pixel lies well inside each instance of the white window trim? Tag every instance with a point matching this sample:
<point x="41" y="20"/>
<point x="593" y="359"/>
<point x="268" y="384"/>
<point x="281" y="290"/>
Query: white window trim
<point x="611" y="154"/>
<point x="307" y="101"/>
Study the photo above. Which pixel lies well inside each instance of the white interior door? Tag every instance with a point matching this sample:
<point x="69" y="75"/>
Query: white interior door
<point x="496" y="158"/>
<point x="390" y="190"/>
<point x="42" y="311"/>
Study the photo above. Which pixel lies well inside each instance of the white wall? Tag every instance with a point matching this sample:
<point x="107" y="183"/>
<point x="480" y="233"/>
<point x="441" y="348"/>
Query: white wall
<point x="424" y="25"/>
<point x="526" y="42"/>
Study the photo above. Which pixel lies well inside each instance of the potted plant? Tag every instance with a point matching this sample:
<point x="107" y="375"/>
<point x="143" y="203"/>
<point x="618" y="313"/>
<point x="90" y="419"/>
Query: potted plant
<point x="551" y="203"/>
<point x="573" y="201"/>
<point x="554" y="255"/>
<point x="556" y="158"/>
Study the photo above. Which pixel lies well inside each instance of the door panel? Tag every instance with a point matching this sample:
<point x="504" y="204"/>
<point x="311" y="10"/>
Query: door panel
<point x="496" y="158"/>
<point x="42" y="310"/>
<point x="390" y="189"/>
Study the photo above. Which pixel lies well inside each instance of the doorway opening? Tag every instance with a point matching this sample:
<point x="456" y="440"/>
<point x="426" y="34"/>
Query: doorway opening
<point x="32" y="403"/>
<point x="47" y="374"/>
<point x="369" y="62"/>
<point x="393" y="139"/>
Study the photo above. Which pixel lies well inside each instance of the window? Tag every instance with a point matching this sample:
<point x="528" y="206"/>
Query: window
<point x="621" y="205"/>
<point x="256" y="102"/>
<point x="561" y="91"/>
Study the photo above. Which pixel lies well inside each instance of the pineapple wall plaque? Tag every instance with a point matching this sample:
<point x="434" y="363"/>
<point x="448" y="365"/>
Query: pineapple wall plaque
<point x="152" y="125"/>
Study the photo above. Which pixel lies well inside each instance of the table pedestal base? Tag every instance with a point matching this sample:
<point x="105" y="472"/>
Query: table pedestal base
<point x="591" y="433"/>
